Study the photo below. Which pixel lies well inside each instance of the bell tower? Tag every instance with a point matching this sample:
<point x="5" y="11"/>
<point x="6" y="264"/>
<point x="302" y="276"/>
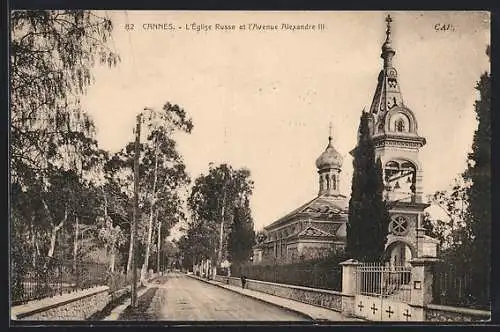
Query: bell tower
<point x="394" y="131"/>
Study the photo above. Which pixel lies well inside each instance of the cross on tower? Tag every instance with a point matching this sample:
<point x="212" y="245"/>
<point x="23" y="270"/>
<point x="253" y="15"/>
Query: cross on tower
<point x="407" y="314"/>
<point x="330" y="130"/>
<point x="360" y="305"/>
<point x="374" y="308"/>
<point x="388" y="19"/>
<point x="389" y="311"/>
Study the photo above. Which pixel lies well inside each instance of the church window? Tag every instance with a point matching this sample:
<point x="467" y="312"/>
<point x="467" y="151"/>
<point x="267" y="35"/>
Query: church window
<point x="400" y="125"/>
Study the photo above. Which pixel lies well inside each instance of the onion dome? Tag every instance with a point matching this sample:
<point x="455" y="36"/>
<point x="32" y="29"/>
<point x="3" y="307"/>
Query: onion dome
<point x="330" y="158"/>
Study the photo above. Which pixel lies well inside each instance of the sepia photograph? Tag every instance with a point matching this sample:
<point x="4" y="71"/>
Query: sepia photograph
<point x="290" y="167"/>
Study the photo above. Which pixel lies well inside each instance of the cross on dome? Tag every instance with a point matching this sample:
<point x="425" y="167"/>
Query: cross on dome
<point x="388" y="19"/>
<point x="330" y="132"/>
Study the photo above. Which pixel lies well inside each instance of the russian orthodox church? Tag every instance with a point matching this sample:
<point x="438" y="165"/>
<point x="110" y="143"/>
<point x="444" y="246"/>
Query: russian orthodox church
<point x="314" y="228"/>
<point x="394" y="131"/>
<point x="321" y="223"/>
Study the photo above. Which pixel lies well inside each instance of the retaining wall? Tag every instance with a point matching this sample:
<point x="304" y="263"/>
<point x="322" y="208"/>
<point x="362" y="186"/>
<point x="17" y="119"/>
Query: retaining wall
<point x="319" y="297"/>
<point x="72" y="306"/>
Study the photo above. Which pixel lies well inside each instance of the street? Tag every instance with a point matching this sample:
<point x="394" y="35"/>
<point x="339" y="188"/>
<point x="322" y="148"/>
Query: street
<point x="178" y="297"/>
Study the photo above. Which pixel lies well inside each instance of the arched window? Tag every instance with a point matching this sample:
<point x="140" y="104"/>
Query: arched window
<point x="400" y="125"/>
<point x="391" y="168"/>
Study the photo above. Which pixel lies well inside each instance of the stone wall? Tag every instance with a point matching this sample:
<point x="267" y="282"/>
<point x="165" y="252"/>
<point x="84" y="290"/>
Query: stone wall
<point x="441" y="313"/>
<point x="319" y="297"/>
<point x="72" y="306"/>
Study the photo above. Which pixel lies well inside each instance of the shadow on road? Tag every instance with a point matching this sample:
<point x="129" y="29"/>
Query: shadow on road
<point x="142" y="311"/>
<point x="100" y="315"/>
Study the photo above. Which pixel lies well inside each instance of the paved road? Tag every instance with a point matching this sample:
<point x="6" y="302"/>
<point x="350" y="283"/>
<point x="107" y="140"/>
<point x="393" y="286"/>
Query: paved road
<point x="181" y="298"/>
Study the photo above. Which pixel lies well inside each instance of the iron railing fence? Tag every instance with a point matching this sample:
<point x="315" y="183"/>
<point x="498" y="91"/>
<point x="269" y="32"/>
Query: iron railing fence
<point x="392" y="282"/>
<point x="321" y="277"/>
<point x="455" y="286"/>
<point x="49" y="277"/>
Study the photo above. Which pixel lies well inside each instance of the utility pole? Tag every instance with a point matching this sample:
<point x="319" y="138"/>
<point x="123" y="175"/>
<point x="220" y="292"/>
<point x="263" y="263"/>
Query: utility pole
<point x="136" y="211"/>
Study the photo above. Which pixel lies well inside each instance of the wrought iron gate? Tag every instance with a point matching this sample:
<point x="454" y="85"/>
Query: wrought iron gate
<point x="383" y="292"/>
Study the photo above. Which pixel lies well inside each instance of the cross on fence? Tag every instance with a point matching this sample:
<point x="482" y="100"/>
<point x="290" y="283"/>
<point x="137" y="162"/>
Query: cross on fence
<point x="360" y="305"/>
<point x="389" y="311"/>
<point x="407" y="314"/>
<point x="374" y="308"/>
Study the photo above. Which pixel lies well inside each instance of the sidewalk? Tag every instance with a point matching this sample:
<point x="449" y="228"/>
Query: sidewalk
<point x="313" y="312"/>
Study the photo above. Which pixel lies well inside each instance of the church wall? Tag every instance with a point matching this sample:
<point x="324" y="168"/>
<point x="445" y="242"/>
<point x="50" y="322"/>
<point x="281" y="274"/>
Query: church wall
<point x="314" y="249"/>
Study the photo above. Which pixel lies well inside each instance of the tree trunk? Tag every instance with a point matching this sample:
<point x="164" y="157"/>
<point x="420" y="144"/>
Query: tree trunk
<point x="55" y="230"/>
<point x="112" y="247"/>
<point x="75" y="244"/>
<point x="151" y="214"/>
<point x="219" y="256"/>
<point x="53" y="237"/>
<point x="159" y="245"/>
<point x="130" y="249"/>
<point x="112" y="260"/>
<point x="34" y="247"/>
<point x="105" y="205"/>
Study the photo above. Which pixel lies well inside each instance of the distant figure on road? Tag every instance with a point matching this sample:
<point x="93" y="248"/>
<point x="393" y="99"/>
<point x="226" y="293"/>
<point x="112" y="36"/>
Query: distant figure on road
<point x="243" y="281"/>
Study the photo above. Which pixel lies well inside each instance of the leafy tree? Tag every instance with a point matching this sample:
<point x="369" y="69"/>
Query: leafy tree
<point x="455" y="233"/>
<point x="52" y="55"/>
<point x="241" y="235"/>
<point x="162" y="175"/>
<point x="164" y="168"/>
<point x="112" y="237"/>
<point x="467" y="234"/>
<point x="213" y="201"/>
<point x="368" y="223"/>
<point x="434" y="228"/>
<point x="199" y="243"/>
<point x="479" y="192"/>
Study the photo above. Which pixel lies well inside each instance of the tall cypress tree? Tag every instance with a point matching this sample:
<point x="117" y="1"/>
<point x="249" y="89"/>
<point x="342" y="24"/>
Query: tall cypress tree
<point x="479" y="193"/>
<point x="242" y="235"/>
<point x="368" y="223"/>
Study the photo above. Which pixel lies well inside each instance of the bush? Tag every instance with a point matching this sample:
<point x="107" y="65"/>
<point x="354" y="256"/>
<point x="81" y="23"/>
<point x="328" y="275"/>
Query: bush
<point x="317" y="273"/>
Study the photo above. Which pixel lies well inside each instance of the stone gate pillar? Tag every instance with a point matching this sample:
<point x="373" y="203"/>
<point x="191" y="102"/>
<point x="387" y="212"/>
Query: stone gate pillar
<point x="349" y="280"/>
<point x="421" y="285"/>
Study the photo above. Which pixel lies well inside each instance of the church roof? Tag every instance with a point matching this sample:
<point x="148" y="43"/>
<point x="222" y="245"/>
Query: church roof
<point x="387" y="94"/>
<point x="323" y="206"/>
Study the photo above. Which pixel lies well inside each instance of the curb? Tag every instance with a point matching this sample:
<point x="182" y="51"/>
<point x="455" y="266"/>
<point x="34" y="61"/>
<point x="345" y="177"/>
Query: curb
<point x="300" y="313"/>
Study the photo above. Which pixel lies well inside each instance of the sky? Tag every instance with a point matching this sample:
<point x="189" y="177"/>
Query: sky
<point x="264" y="99"/>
